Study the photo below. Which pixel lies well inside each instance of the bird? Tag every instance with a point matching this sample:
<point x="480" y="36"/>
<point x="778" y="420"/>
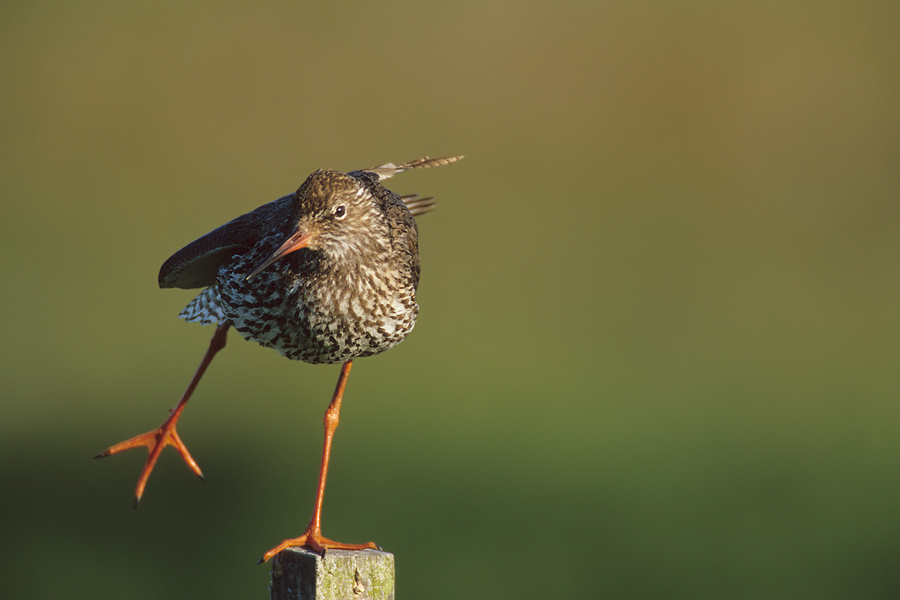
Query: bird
<point x="325" y="275"/>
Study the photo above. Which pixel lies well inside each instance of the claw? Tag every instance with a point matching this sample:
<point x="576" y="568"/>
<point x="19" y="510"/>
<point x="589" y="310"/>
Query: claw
<point x="154" y="441"/>
<point x="313" y="540"/>
<point x="166" y="435"/>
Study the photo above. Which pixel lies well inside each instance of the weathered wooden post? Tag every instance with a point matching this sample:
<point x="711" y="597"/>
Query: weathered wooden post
<point x="300" y="574"/>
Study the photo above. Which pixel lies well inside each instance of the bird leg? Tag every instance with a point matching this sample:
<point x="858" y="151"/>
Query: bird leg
<point x="312" y="538"/>
<point x="166" y="435"/>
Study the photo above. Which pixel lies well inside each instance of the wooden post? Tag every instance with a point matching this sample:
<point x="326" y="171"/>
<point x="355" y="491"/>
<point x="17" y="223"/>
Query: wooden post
<point x="300" y="574"/>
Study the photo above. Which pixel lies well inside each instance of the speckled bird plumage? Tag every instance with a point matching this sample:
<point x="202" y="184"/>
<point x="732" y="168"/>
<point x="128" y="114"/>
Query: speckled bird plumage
<point x="350" y="293"/>
<point x="324" y="275"/>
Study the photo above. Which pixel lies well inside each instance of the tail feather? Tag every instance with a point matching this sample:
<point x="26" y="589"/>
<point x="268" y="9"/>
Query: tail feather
<point x="388" y="170"/>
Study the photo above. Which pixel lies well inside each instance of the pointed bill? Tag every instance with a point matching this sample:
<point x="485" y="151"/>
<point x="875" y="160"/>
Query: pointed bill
<point x="298" y="239"/>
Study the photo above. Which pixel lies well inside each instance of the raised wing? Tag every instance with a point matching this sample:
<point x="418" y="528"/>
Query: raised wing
<point x="197" y="264"/>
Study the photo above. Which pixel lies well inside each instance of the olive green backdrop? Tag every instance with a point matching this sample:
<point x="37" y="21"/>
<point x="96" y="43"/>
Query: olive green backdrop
<point x="658" y="349"/>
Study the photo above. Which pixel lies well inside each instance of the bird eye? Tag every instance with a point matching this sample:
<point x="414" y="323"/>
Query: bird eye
<point x="340" y="212"/>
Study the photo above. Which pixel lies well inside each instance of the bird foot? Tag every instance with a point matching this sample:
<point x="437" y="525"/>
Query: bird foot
<point x="154" y="441"/>
<point x="313" y="540"/>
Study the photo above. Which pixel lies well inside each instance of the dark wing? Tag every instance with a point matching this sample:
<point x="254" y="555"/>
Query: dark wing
<point x="197" y="264"/>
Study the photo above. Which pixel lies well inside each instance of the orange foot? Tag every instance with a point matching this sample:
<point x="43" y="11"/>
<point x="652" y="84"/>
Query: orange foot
<point x="313" y="540"/>
<point x="155" y="441"/>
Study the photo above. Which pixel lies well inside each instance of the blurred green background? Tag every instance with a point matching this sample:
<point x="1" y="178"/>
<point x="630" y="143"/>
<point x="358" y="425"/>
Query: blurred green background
<point x="659" y="340"/>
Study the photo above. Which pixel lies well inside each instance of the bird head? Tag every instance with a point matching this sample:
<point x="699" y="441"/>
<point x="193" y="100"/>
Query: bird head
<point x="333" y="213"/>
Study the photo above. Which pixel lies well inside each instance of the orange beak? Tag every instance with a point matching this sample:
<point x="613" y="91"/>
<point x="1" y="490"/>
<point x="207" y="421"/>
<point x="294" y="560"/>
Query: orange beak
<point x="298" y="239"/>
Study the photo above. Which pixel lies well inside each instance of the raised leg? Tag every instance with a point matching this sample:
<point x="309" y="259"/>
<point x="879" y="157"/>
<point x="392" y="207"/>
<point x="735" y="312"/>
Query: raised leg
<point x="166" y="435"/>
<point x="312" y="538"/>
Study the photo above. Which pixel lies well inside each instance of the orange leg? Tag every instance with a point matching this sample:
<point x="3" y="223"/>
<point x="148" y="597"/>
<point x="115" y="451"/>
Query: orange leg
<point x="166" y="435"/>
<point x="312" y="538"/>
